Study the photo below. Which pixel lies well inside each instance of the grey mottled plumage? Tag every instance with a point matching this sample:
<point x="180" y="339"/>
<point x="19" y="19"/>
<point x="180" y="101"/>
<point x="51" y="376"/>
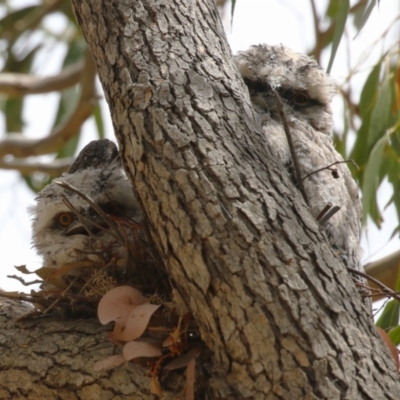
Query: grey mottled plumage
<point x="58" y="235"/>
<point x="306" y="92"/>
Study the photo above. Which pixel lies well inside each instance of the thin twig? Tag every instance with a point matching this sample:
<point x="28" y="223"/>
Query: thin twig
<point x="57" y="300"/>
<point x="55" y="168"/>
<point x="387" y="290"/>
<point x="291" y="146"/>
<point x="18" y="278"/>
<point x="45" y="298"/>
<point x="85" y="220"/>
<point x="329" y="214"/>
<point x="328" y="167"/>
<point x="324" y="211"/>
<point x="17" y="85"/>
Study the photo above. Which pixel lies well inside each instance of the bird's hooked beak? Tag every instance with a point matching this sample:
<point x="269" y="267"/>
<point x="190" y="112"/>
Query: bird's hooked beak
<point x="77" y="229"/>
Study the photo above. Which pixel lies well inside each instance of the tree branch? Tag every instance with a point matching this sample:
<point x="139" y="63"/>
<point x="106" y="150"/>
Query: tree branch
<point x="17" y="85"/>
<point x="32" y="20"/>
<point x="54" y="168"/>
<point x="385" y="270"/>
<point x="20" y="146"/>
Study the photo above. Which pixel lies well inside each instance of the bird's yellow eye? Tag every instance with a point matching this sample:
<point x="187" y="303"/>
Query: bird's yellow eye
<point x="65" y="219"/>
<point x="300" y="98"/>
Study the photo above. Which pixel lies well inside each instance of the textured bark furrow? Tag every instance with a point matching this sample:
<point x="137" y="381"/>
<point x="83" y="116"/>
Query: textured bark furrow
<point x="269" y="296"/>
<point x="53" y="359"/>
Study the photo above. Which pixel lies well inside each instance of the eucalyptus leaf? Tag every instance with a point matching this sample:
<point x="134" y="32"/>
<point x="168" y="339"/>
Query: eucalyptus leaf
<point x="390" y="315"/>
<point x="360" y="150"/>
<point x="371" y="176"/>
<point x="381" y="113"/>
<point x="369" y="93"/>
<point x="366" y="14"/>
<point x="394" y="335"/>
<point x="98" y="118"/>
<point x="339" y="29"/>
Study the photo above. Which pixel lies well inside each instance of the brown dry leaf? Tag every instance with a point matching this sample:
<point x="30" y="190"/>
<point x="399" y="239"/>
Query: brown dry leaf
<point x="137" y="321"/>
<point x="183" y="360"/>
<point x="45" y="272"/>
<point x="174" y="336"/>
<point x="65" y="269"/>
<point x="116" y="304"/>
<point x="190" y="379"/>
<point x="23" y="269"/>
<point x="391" y="346"/>
<point x="140" y="348"/>
<point x="155" y="387"/>
<point x="109" y="362"/>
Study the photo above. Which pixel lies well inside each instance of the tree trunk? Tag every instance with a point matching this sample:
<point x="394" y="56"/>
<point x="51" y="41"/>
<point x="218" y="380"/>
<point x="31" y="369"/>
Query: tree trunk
<point x="276" y="308"/>
<point x="49" y="359"/>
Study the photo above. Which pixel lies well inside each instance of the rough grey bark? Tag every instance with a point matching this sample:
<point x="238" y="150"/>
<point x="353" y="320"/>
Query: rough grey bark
<point x="274" y="305"/>
<point x="53" y="359"/>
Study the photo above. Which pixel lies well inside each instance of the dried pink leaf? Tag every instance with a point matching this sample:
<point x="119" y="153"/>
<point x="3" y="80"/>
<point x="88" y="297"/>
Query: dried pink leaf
<point x="183" y="360"/>
<point x="139" y="348"/>
<point x="116" y="304"/>
<point x="137" y="321"/>
<point x="109" y="362"/>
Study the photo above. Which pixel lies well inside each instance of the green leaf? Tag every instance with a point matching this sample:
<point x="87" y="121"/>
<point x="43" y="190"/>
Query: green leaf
<point x="390" y="315"/>
<point x="371" y="176"/>
<point x="333" y="9"/>
<point x="394" y="335"/>
<point x="360" y="150"/>
<point x="69" y="99"/>
<point x="340" y="140"/>
<point x="98" y="118"/>
<point x="394" y="233"/>
<point x="69" y="149"/>
<point x="365" y="16"/>
<point x="233" y="5"/>
<point x="369" y="92"/>
<point x="66" y="9"/>
<point x="374" y="212"/>
<point x="381" y="113"/>
<point x="339" y="29"/>
<point x="13" y="107"/>
<point x="36" y="185"/>
<point x="13" y="114"/>
<point x="397" y="287"/>
<point x="76" y="51"/>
